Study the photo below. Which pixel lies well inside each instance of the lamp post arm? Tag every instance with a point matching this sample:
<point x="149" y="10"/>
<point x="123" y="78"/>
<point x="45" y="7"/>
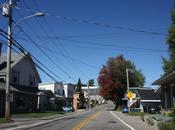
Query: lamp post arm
<point x="38" y="14"/>
<point x="21" y="20"/>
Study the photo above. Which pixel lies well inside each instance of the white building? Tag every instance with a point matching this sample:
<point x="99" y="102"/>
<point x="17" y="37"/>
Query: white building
<point x="58" y="91"/>
<point x="69" y="90"/>
<point x="56" y="88"/>
<point x="93" y="93"/>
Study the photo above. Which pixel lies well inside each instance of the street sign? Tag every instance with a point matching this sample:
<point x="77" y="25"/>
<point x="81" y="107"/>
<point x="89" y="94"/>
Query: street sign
<point x="131" y="95"/>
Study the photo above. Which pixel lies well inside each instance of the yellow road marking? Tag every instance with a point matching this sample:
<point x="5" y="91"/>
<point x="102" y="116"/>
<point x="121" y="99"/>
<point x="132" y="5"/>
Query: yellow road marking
<point x="86" y="121"/>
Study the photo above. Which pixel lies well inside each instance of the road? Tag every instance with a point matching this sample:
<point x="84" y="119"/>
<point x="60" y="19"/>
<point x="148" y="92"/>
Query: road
<point x="97" y="119"/>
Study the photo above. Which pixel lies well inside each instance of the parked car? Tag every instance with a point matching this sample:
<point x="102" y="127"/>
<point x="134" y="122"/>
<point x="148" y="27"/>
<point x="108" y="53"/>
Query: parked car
<point x="125" y="110"/>
<point x="67" y="109"/>
<point x="152" y="110"/>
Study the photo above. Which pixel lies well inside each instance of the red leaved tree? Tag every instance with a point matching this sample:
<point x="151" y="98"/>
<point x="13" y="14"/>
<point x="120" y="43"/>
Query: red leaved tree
<point x="112" y="78"/>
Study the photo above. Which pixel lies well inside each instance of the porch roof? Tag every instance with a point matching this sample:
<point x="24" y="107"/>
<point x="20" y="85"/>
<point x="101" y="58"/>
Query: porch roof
<point x="165" y="79"/>
<point x="19" y="89"/>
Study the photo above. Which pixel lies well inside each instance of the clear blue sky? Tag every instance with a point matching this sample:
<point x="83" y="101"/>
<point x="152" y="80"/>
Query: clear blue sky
<point x="74" y="35"/>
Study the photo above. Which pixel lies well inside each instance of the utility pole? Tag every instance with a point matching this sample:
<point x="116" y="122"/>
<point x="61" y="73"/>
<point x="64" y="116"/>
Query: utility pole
<point x="7" y="12"/>
<point x="8" y="72"/>
<point x="127" y="78"/>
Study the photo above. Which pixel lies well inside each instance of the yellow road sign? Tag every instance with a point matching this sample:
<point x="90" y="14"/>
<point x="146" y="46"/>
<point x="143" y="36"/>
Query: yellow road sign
<point x="131" y="95"/>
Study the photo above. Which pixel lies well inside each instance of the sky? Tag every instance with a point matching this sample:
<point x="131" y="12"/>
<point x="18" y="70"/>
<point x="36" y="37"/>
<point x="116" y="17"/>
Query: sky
<point x="75" y="38"/>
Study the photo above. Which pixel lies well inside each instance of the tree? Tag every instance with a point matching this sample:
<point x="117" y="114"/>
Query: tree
<point x="112" y="78"/>
<point x="81" y="94"/>
<point x="79" y="85"/>
<point x="91" y="82"/>
<point x="169" y="64"/>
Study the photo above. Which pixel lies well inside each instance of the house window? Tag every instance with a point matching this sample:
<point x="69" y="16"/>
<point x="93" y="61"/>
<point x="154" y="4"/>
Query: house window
<point x="2" y="79"/>
<point x="57" y="92"/>
<point x="20" y="103"/>
<point x="16" y="76"/>
<point x="31" y="81"/>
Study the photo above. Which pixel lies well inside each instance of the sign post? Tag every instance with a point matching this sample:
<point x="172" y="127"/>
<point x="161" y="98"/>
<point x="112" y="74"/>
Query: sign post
<point x="130" y="96"/>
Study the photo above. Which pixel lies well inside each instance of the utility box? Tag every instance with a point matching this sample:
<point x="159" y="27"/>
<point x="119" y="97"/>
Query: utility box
<point x="6" y="10"/>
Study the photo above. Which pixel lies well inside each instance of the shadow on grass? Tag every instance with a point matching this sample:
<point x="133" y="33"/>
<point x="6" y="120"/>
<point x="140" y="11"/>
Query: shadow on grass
<point x="4" y="120"/>
<point x="38" y="114"/>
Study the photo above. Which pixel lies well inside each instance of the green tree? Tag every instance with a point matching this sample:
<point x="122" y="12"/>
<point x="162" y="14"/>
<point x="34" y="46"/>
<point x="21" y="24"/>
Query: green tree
<point x="91" y="82"/>
<point x="79" y="85"/>
<point x="169" y="64"/>
<point x="81" y="94"/>
<point x="112" y="78"/>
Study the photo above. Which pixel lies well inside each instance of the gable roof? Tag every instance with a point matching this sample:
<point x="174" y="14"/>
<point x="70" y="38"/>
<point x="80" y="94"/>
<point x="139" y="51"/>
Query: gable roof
<point x="145" y="93"/>
<point x="15" y="59"/>
<point x="165" y="79"/>
<point x="19" y="88"/>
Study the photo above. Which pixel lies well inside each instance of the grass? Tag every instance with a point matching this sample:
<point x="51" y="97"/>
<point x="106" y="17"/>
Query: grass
<point x="38" y="114"/>
<point x="166" y="126"/>
<point x="4" y="120"/>
<point x="141" y="114"/>
<point x="136" y="113"/>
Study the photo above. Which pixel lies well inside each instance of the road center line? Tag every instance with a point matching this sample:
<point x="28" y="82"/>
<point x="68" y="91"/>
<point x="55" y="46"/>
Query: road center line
<point x="85" y="122"/>
<point x="122" y="121"/>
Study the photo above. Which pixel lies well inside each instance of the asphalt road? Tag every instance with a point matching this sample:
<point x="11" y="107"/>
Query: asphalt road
<point x="98" y="119"/>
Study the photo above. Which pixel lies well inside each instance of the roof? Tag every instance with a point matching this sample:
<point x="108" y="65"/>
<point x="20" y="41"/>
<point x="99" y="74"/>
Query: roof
<point x="26" y="89"/>
<point x="19" y="88"/>
<point x="48" y="92"/>
<point x="50" y="83"/>
<point x="165" y="79"/>
<point x="145" y="93"/>
<point x="3" y="87"/>
<point x="148" y="95"/>
<point x="16" y="58"/>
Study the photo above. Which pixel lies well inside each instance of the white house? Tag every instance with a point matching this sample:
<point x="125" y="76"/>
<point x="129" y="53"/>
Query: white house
<point x="93" y="93"/>
<point x="69" y="92"/>
<point x="58" y="90"/>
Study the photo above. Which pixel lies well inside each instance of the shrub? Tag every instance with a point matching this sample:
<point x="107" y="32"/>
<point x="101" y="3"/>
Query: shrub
<point x="142" y="116"/>
<point x="166" y="126"/>
<point x="150" y="121"/>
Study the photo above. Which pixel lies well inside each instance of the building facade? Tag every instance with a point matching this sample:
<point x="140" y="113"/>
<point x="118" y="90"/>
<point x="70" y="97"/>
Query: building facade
<point x="24" y="81"/>
<point x="69" y="90"/>
<point x="58" y="90"/>
<point x="166" y="89"/>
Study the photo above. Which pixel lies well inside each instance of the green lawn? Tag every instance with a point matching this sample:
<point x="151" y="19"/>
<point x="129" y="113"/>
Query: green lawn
<point x="3" y="120"/>
<point x="38" y="114"/>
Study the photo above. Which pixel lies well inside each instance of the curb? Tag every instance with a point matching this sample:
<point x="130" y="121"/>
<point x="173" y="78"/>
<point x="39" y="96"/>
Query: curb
<point x="39" y="123"/>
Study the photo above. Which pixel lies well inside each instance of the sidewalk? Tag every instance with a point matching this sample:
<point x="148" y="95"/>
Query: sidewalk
<point x="22" y="123"/>
<point x="134" y="121"/>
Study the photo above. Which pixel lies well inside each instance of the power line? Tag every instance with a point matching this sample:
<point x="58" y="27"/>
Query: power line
<point x="36" y="45"/>
<point x="101" y="24"/>
<point x="47" y="56"/>
<point x="25" y="52"/>
<point x="76" y="60"/>
<point x="61" y="45"/>
<point x="94" y="44"/>
<point x="51" y="30"/>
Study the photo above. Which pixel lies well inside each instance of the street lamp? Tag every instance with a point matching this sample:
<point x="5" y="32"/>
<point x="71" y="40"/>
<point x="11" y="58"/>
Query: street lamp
<point x="38" y="14"/>
<point x="7" y="11"/>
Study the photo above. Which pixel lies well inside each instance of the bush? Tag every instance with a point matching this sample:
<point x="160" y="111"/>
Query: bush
<point x="142" y="116"/>
<point x="150" y="121"/>
<point x="166" y="126"/>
